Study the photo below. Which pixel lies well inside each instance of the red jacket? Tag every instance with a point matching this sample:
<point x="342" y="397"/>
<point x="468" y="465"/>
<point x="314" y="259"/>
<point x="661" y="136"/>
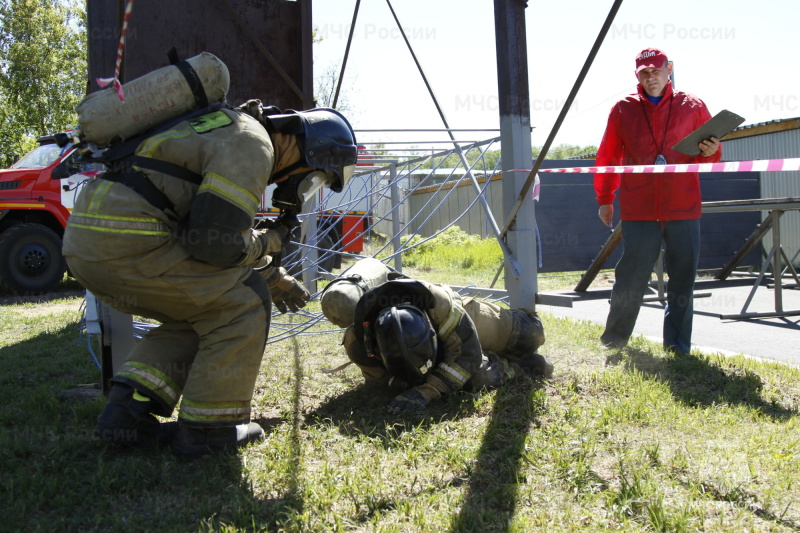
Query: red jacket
<point x="629" y="140"/>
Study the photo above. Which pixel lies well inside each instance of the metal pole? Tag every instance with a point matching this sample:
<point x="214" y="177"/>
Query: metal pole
<point x="515" y="140"/>
<point x="495" y="228"/>
<point x="585" y="70"/>
<point x="310" y="234"/>
<point x="395" y="197"/>
<point x="777" y="271"/>
<point x="346" y="53"/>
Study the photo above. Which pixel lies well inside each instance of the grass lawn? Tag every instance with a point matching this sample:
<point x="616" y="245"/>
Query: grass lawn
<point x="636" y="440"/>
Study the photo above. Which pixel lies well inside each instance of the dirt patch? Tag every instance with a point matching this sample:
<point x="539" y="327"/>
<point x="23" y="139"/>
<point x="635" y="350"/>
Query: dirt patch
<point x="603" y="280"/>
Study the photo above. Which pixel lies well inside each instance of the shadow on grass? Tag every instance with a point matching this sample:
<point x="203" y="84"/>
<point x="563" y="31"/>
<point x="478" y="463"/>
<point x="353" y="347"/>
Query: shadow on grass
<point x="696" y="381"/>
<point x="362" y="411"/>
<point x="491" y="495"/>
<point x="57" y="476"/>
<point x="492" y="483"/>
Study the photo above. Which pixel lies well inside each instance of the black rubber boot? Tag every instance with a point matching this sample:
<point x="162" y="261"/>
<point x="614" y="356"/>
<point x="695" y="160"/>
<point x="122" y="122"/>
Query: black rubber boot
<point x="195" y="442"/>
<point x="128" y="419"/>
<point x="536" y="366"/>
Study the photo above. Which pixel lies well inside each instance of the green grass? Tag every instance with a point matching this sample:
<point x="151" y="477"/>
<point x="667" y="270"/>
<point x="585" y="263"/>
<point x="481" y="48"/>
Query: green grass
<point x="636" y="440"/>
<point x="458" y="258"/>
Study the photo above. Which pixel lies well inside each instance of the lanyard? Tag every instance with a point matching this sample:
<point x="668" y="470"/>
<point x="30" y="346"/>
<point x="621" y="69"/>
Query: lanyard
<point x="660" y="160"/>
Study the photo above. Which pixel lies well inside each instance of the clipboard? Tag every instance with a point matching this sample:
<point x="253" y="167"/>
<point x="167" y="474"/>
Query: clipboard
<point x="717" y="126"/>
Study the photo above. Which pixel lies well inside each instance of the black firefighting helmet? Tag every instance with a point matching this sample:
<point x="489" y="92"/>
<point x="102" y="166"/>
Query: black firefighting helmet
<point x="328" y="143"/>
<point x="406" y="342"/>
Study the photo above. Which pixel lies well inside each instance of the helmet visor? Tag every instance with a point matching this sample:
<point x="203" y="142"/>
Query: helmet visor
<point x="313" y="182"/>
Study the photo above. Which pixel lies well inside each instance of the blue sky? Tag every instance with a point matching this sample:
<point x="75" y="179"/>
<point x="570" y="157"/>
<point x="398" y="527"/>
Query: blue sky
<point x="737" y="55"/>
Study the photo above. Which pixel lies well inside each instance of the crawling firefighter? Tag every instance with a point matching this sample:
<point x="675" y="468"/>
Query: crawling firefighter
<point x="423" y="340"/>
<point x="158" y="245"/>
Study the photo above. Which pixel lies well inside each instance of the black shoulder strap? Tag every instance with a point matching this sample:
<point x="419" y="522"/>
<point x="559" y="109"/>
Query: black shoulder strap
<point x="139" y="183"/>
<point x="195" y="85"/>
<point x="165" y="167"/>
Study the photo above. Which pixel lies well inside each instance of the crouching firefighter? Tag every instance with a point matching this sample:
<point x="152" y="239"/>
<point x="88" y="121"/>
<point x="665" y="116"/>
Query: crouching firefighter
<point x="168" y="234"/>
<point x="423" y="341"/>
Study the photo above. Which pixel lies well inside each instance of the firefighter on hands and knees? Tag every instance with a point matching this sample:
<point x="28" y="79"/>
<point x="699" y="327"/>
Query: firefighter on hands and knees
<point x="423" y="341"/>
<point x="150" y="244"/>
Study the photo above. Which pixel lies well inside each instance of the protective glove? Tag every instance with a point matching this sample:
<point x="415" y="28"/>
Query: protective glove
<point x="287" y="293"/>
<point x="273" y="239"/>
<point x="415" y="399"/>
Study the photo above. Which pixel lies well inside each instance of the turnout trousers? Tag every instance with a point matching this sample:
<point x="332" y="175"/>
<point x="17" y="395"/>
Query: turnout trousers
<point x="208" y="348"/>
<point x="642" y="241"/>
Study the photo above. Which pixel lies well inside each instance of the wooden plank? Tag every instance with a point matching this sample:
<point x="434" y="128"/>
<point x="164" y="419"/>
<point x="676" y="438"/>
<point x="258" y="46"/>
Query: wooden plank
<point x="600" y="260"/>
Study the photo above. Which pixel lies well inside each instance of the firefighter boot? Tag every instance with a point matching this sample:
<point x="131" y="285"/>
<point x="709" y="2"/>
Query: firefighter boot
<point x="128" y="419"/>
<point x="536" y="366"/>
<point x="195" y="441"/>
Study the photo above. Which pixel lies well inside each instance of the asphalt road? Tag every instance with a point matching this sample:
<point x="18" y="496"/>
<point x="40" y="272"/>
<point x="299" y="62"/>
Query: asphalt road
<point x="776" y="338"/>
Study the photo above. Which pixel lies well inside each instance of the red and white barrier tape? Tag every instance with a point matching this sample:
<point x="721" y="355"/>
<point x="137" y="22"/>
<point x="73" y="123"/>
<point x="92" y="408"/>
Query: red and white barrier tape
<point x="756" y="165"/>
<point x="759" y="165"/>
<point x="102" y="82"/>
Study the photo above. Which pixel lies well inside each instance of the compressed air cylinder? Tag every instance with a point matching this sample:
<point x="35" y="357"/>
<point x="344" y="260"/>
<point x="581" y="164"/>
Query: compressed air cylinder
<point x="340" y="297"/>
<point x="150" y="100"/>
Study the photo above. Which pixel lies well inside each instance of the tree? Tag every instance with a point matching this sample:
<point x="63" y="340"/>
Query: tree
<point x="326" y="81"/>
<point x="566" y="151"/>
<point x="42" y="70"/>
<point x="325" y="89"/>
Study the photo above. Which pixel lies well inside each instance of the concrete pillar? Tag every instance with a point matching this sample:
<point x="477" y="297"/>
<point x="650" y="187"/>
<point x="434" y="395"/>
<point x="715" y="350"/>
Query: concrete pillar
<point x="515" y="132"/>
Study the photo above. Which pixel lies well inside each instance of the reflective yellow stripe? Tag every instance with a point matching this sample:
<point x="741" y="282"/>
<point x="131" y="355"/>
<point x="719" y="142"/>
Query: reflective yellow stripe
<point x="456" y="372"/>
<point x="114" y="217"/>
<point x="117" y="224"/>
<point x="150" y="145"/>
<point x="230" y="192"/>
<point x="16" y="205"/>
<point x="215" y="412"/>
<point x="153" y="379"/>
<point x="451" y="321"/>
<point x="99" y="193"/>
<point x="121" y="231"/>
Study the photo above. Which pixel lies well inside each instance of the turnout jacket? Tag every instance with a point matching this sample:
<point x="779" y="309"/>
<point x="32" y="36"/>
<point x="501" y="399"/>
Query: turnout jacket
<point x="636" y="133"/>
<point x="212" y="222"/>
<point x="460" y="349"/>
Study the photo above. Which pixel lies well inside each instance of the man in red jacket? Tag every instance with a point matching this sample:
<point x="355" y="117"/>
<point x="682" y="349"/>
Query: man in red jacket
<point x="655" y="207"/>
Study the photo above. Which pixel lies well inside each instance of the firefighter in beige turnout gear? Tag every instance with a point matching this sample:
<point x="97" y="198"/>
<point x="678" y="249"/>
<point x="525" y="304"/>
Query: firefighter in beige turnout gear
<point x="422" y="340"/>
<point x="190" y="265"/>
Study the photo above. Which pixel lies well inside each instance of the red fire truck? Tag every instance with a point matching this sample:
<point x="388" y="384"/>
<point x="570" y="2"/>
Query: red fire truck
<point x="34" y="209"/>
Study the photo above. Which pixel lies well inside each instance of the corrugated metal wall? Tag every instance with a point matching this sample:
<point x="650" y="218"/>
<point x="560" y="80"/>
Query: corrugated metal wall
<point x="427" y="204"/>
<point x="570" y="234"/>
<point x="777" y="145"/>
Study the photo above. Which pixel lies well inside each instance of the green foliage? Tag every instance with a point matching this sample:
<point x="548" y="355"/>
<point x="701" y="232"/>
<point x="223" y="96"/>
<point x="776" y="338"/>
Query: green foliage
<point x="43" y="70"/>
<point x="452" y="249"/>
<point x="565" y="151"/>
<point x="488" y="160"/>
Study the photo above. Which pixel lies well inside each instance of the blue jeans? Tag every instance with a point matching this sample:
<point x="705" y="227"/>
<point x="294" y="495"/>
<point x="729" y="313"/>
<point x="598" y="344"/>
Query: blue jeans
<point x="642" y="241"/>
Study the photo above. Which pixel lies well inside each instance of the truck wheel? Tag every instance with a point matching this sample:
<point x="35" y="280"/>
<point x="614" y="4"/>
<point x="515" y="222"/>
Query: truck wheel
<point x="30" y="259"/>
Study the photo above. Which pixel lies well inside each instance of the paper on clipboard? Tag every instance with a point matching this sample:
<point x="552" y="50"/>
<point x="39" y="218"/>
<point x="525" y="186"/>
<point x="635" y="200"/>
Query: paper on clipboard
<point x="720" y="124"/>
